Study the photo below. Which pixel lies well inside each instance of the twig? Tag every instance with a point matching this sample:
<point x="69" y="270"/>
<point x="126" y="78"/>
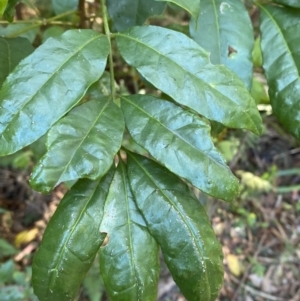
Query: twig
<point x="81" y="9"/>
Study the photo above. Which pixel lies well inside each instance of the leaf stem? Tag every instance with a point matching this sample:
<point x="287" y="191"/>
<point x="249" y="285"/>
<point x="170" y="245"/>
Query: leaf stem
<point x="108" y="34"/>
<point x="38" y="23"/>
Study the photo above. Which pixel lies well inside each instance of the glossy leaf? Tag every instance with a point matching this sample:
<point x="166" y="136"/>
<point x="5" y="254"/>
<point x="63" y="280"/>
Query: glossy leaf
<point x="192" y="6"/>
<point x="19" y="30"/>
<point x="12" y="51"/>
<point x="127" y="13"/>
<point x="62" y="6"/>
<point x="225" y="30"/>
<point x="280" y="42"/>
<point x="71" y="241"/>
<point x="292" y="3"/>
<point x="47" y="84"/>
<point x="181" y="141"/>
<point x="3" y="4"/>
<point x="179" y="223"/>
<point x="92" y="134"/>
<point x="129" y="261"/>
<point x="179" y="67"/>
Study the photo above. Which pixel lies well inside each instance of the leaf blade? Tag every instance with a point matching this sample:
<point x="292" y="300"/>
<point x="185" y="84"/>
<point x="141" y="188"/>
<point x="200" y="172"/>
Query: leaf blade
<point x="39" y="81"/>
<point x="192" y="6"/>
<point x="180" y="225"/>
<point x="180" y="68"/>
<point x="61" y="260"/>
<point x="291" y="3"/>
<point x="91" y="143"/>
<point x="281" y="27"/>
<point x="177" y="139"/>
<point x="129" y="262"/>
<point x="128" y="13"/>
<point x="12" y="51"/>
<point x="3" y="4"/>
<point x="225" y="30"/>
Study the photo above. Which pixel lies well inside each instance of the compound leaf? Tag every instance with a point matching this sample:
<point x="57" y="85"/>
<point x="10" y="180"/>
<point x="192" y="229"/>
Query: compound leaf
<point x="178" y="222"/>
<point x="129" y="261"/>
<point x="179" y="67"/>
<point x="192" y="6"/>
<point x="71" y="241"/>
<point x="181" y="141"/>
<point x="12" y="51"/>
<point x="81" y="145"/>
<point x="225" y="30"/>
<point x="127" y="13"/>
<point x="47" y="84"/>
<point x="291" y="3"/>
<point x="280" y="43"/>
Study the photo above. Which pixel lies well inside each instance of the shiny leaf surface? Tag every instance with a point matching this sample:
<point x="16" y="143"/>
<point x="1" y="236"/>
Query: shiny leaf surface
<point x="71" y="241"/>
<point x="280" y="43"/>
<point x="12" y="51"/>
<point x="292" y="3"/>
<point x="180" y="225"/>
<point x="129" y="261"/>
<point x="225" y="30"/>
<point x="81" y="145"/>
<point x="192" y="6"/>
<point x="179" y="67"/>
<point x="47" y="84"/>
<point x="180" y="141"/>
<point x="128" y="13"/>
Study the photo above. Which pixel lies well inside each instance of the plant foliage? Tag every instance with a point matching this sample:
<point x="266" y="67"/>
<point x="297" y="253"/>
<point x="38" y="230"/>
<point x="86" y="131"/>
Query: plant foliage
<point x="125" y="206"/>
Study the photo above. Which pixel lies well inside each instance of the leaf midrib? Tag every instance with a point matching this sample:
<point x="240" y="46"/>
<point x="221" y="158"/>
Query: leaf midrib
<point x="282" y="36"/>
<point x="49" y="78"/>
<point x="82" y="141"/>
<point x="63" y="249"/>
<point x="192" y="74"/>
<point x="174" y="133"/>
<point x="182" y="215"/>
<point x="132" y="258"/>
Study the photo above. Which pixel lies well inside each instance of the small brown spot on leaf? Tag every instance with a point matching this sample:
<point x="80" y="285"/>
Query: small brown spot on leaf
<point x="105" y="241"/>
<point x="231" y="50"/>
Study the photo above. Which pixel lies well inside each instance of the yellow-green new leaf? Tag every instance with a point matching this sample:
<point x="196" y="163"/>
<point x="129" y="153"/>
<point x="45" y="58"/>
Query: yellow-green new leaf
<point x="192" y="6"/>
<point x="129" y="260"/>
<point x="47" y="84"/>
<point x="179" y="67"/>
<point x="178" y="222"/>
<point x="3" y="4"/>
<point x="81" y="145"/>
<point x="181" y="141"/>
<point x="280" y="43"/>
<point x="225" y="30"/>
<point x="71" y="241"/>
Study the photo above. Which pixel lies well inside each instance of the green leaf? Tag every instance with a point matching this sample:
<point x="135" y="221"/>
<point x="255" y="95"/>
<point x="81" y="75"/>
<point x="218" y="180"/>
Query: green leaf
<point x="225" y="30"/>
<point x="19" y="30"/>
<point x="3" y="4"/>
<point x="192" y="6"/>
<point x="92" y="134"/>
<point x="181" y="141"/>
<point x="127" y="13"/>
<point x="129" y="261"/>
<point x="292" y="3"/>
<point x="62" y="6"/>
<point x="280" y="43"/>
<point x="179" y="67"/>
<point x="178" y="222"/>
<point x="6" y="249"/>
<point x="71" y="241"/>
<point x="47" y="84"/>
<point x="10" y="10"/>
<point x="12" y="51"/>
